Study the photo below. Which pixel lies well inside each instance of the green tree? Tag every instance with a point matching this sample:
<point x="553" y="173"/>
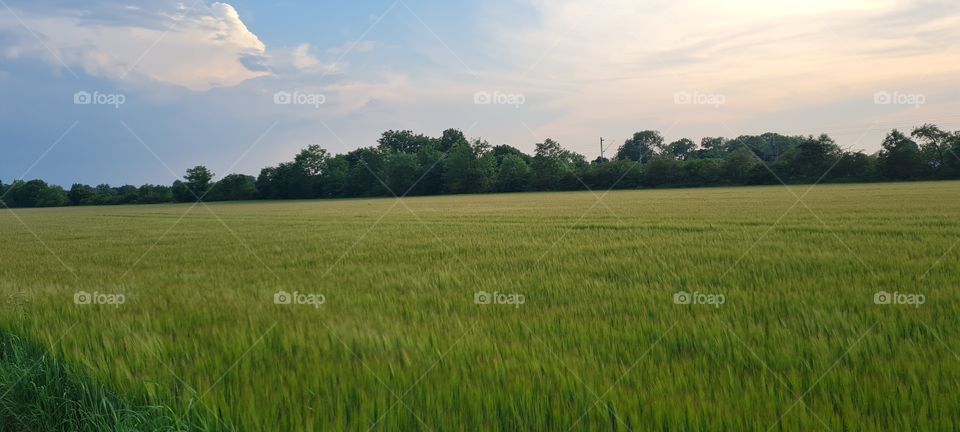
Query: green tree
<point x="400" y="171"/>
<point x="812" y="158"/>
<point x="312" y="161"/>
<point x="35" y="193"/>
<point x="615" y="173"/>
<point x="127" y="194"/>
<point x="953" y="161"/>
<point x="853" y="166"/>
<point x="712" y="148"/>
<point x="739" y="164"/>
<point x="154" y="194"/>
<point x="513" y="174"/>
<point x="403" y="141"/>
<point x="661" y="171"/>
<point x="449" y="139"/>
<point x="307" y="172"/>
<point x="198" y="181"/>
<point x="181" y="192"/>
<point x="468" y="168"/>
<point x="935" y="149"/>
<point x="899" y="157"/>
<point x="335" y="180"/>
<point x="80" y="194"/>
<point x="703" y="172"/>
<point x="366" y="167"/>
<point x="681" y="149"/>
<point x="502" y="151"/>
<point x="768" y="147"/>
<point x="641" y="147"/>
<point x="432" y="162"/>
<point x="234" y="187"/>
<point x="554" y="168"/>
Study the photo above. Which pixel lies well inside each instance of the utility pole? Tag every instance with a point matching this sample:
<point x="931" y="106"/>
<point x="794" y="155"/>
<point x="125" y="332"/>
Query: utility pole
<point x="601" y="147"/>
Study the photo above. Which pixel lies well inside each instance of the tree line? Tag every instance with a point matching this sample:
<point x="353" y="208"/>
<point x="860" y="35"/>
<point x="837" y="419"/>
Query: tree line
<point x="404" y="163"/>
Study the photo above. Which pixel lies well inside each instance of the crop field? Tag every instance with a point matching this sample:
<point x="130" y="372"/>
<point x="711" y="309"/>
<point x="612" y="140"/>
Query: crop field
<point x="756" y="308"/>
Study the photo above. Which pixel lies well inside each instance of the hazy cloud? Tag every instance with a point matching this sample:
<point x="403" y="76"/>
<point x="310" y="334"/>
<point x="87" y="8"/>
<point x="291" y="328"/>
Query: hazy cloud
<point x="356" y="47"/>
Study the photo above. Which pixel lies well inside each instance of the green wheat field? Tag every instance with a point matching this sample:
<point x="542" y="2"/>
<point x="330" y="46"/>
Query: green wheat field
<point x="668" y="310"/>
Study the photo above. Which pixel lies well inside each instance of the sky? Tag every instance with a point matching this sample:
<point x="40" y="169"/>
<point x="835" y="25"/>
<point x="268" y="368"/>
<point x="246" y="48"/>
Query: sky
<point x="124" y="92"/>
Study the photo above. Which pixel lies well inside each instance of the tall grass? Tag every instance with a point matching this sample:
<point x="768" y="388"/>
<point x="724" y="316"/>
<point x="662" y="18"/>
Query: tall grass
<point x="598" y="344"/>
<point x="41" y="393"/>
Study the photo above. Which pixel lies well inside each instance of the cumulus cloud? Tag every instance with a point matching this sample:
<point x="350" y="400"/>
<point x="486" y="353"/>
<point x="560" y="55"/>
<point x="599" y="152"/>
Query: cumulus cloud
<point x="200" y="48"/>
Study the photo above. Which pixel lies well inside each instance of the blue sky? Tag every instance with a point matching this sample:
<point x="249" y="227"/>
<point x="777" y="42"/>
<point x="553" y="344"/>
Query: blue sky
<point x="199" y="81"/>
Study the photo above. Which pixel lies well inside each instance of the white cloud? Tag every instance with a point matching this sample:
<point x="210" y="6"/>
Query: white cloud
<point x="299" y="62"/>
<point x="354" y="96"/>
<point x="198" y="48"/>
<point x="302" y="59"/>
